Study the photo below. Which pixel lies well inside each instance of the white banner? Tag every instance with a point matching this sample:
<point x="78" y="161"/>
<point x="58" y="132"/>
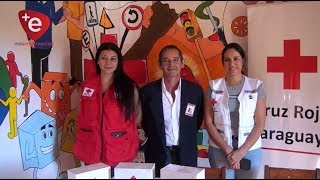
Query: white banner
<point x="283" y="51"/>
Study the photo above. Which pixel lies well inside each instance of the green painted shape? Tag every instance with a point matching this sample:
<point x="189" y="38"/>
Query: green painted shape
<point x="199" y="12"/>
<point x="5" y="82"/>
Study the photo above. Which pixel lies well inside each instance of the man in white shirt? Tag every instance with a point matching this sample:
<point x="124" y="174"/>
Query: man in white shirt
<point x="172" y="114"/>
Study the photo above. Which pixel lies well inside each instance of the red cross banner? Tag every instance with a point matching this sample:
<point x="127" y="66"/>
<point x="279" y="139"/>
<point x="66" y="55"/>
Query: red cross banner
<point x="283" y="52"/>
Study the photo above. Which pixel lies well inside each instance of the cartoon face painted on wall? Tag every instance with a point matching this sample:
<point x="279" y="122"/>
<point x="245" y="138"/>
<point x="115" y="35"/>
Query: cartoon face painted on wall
<point x="55" y="96"/>
<point x="45" y="139"/>
<point x="46" y="136"/>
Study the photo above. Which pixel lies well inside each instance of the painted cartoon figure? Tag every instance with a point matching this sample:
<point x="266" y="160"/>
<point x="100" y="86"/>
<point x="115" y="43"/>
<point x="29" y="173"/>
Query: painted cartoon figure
<point x="74" y="12"/>
<point x="38" y="144"/>
<point x="13" y="68"/>
<point x="68" y="134"/>
<point x="41" y="48"/>
<point x="55" y="95"/>
<point x="12" y="102"/>
<point x="25" y="82"/>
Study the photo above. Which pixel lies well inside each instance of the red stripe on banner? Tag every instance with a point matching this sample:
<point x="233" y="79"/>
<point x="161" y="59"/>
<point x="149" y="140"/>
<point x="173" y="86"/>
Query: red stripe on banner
<point x="286" y="150"/>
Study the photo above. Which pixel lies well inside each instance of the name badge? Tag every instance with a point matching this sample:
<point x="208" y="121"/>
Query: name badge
<point x="190" y="109"/>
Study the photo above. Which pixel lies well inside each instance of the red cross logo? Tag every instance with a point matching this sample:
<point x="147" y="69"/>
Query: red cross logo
<point x="292" y="64"/>
<point x="88" y="91"/>
<point x="213" y="102"/>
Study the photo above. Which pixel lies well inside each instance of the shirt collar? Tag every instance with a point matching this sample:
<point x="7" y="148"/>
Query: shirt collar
<point x="164" y="89"/>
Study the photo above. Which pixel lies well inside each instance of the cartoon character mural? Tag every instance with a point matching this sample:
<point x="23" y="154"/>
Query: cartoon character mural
<point x="74" y="12"/>
<point x="55" y="95"/>
<point x="38" y="144"/>
<point x="13" y="68"/>
<point x="25" y="82"/>
<point x="68" y="135"/>
<point x="12" y="102"/>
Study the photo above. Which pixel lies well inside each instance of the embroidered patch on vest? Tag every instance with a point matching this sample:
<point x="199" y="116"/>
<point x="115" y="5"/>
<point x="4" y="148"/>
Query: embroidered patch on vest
<point x="213" y="102"/>
<point x="87" y="92"/>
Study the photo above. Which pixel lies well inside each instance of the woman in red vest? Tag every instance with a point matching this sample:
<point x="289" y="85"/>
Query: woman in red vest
<point x="109" y="113"/>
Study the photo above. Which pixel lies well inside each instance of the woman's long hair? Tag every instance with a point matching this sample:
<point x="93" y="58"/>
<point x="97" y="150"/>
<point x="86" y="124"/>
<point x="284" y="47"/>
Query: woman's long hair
<point x="124" y="85"/>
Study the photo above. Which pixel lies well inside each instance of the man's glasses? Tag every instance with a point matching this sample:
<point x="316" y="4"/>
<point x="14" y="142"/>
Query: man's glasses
<point x="167" y="61"/>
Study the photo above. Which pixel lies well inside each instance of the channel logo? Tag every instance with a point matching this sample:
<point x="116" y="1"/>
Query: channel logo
<point x="35" y="24"/>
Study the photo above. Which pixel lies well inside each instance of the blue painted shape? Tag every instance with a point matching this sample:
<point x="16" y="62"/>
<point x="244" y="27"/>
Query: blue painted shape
<point x="38" y="140"/>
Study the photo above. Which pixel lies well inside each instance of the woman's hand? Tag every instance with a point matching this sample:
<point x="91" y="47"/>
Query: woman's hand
<point x="234" y="158"/>
<point x="235" y="165"/>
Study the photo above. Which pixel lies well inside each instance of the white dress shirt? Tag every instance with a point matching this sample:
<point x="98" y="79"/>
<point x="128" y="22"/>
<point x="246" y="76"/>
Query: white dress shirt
<point x="171" y="114"/>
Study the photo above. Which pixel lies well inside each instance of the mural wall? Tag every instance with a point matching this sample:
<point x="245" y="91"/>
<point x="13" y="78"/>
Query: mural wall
<point x="42" y="43"/>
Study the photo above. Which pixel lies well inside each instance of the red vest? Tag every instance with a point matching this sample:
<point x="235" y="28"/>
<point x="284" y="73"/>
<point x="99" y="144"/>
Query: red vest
<point x="103" y="134"/>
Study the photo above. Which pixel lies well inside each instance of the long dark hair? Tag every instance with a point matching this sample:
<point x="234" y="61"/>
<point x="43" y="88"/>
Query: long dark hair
<point x="124" y="85"/>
